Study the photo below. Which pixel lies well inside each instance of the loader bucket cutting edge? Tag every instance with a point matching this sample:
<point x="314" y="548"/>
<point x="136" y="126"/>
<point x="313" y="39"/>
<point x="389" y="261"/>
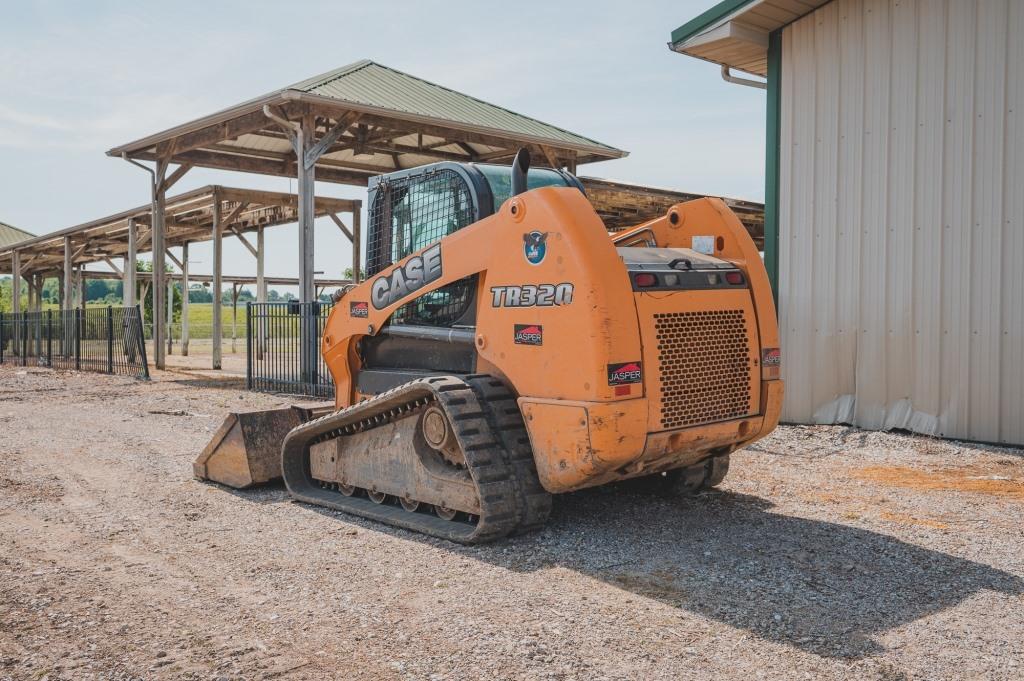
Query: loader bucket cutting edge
<point x="246" y="449"/>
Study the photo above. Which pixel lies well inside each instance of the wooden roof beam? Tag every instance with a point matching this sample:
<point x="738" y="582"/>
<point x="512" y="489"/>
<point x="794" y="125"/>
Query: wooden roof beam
<point x="261" y="166"/>
<point x="332" y="135"/>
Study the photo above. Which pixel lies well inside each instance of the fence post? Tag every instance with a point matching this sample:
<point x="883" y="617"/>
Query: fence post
<point x="24" y="339"/>
<point x="248" y="345"/>
<point x="77" y="319"/>
<point x="142" y="341"/>
<point x="110" y="339"/>
<point x="49" y="338"/>
<point x="2" y="337"/>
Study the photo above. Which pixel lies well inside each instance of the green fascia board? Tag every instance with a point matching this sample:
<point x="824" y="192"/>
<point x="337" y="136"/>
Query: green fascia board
<point x="706" y="19"/>
<point x="773" y="143"/>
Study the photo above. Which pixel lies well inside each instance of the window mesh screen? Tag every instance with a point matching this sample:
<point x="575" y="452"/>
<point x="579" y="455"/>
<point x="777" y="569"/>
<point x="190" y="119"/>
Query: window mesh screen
<point x="409" y="214"/>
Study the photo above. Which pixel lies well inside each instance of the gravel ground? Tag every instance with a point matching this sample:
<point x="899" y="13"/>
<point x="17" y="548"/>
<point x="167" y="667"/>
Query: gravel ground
<point x="828" y="553"/>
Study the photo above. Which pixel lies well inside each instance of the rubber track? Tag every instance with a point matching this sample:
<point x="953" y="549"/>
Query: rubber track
<point x="488" y="462"/>
<point x="507" y="421"/>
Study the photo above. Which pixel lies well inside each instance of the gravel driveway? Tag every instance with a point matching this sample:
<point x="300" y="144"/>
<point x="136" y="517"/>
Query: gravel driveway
<point x="828" y="553"/>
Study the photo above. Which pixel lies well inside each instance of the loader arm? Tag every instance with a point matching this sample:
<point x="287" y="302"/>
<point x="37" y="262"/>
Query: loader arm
<point x="580" y="290"/>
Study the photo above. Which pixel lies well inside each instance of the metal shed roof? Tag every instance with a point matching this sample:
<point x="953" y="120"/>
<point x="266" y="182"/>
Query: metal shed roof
<point x="734" y="33"/>
<point x="12" y="235"/>
<point x="394" y="120"/>
<point x="371" y="84"/>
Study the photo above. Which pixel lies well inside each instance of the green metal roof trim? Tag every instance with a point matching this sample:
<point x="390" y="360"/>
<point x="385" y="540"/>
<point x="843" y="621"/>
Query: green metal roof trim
<point x="706" y="19"/>
<point x="371" y="84"/>
<point x="11" y="235"/>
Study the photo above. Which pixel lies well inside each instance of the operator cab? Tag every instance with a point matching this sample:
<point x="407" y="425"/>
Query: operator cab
<point x="412" y="209"/>
<point x="409" y="210"/>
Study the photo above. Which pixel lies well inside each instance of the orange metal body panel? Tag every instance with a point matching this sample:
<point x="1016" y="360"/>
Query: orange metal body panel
<point x="582" y="432"/>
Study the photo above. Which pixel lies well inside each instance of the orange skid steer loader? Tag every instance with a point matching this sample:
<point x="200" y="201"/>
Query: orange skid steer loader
<point x="505" y="348"/>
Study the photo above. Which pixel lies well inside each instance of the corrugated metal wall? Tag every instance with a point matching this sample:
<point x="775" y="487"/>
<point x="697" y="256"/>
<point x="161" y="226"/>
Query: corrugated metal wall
<point x="901" y="243"/>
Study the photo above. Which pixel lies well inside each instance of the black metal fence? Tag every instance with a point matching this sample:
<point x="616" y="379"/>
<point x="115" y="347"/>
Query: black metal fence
<point x="104" y="339"/>
<point x="283" y="348"/>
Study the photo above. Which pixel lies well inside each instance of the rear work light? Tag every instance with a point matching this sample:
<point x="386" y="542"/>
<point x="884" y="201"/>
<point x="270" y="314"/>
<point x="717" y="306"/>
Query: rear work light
<point x="734" y="278"/>
<point x="645" y="280"/>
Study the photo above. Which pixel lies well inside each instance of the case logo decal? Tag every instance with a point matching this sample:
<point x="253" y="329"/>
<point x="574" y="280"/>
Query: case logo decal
<point x="534" y="247"/>
<point x="417" y="272"/>
<point x="528" y="295"/>
<point x="529" y="334"/>
<point x="624" y="373"/>
<point x="358" y="309"/>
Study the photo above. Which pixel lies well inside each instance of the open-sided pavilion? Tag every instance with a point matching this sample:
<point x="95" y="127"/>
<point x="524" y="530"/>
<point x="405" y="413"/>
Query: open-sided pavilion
<point x="206" y="214"/>
<point x="343" y="126"/>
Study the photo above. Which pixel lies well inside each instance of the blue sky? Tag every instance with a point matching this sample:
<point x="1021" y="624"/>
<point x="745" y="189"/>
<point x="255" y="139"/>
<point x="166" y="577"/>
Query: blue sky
<point x="81" y="77"/>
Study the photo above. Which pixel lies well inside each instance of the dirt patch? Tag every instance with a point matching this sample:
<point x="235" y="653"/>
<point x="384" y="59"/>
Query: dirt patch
<point x="1003" y="481"/>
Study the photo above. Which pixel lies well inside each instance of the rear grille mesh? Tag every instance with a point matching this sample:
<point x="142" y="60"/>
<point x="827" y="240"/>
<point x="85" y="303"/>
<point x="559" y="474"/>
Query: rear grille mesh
<point x="704" y="363"/>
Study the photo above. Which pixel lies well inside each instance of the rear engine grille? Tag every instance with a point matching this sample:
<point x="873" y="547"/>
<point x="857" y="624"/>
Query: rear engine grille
<point x="704" y="363"/>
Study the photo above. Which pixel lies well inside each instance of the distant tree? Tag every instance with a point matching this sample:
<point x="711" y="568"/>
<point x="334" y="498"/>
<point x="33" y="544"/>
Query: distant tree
<point x="199" y="294"/>
<point x="147" y="304"/>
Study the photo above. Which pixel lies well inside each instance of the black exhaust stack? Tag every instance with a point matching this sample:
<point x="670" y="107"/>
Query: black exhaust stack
<point x="520" y="168"/>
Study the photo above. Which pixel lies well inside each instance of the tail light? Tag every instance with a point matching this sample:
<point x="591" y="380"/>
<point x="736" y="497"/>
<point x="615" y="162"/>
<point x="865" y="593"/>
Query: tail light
<point x="734" y="278"/>
<point x="645" y="280"/>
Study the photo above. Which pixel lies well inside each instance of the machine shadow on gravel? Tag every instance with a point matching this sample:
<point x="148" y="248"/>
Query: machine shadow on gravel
<point x="823" y="587"/>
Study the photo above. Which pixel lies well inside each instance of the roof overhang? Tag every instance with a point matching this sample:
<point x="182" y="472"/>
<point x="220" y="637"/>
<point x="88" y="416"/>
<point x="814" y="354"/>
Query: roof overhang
<point x="386" y="121"/>
<point x="734" y="33"/>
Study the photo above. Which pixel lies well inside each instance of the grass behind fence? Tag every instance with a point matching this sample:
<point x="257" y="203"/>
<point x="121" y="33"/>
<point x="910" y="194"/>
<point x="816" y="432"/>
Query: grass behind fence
<point x="200" y="320"/>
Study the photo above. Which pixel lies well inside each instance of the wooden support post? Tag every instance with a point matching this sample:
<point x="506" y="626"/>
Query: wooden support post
<point x="357" y="238"/>
<point x="65" y="302"/>
<point x="79" y="288"/>
<point x="261" y="283"/>
<point x="218" y="257"/>
<point x="308" y="341"/>
<point x="307" y="210"/>
<point x="124" y="279"/>
<point x="234" y="317"/>
<point x="261" y="295"/>
<point x="184" y="299"/>
<point x="170" y="314"/>
<point x="130" y="267"/>
<point x="156" y="226"/>
<point x="16" y="282"/>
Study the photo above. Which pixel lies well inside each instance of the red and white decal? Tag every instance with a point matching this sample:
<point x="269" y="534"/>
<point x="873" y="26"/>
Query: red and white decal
<point x="357" y="309"/>
<point x="529" y="334"/>
<point x="624" y="373"/>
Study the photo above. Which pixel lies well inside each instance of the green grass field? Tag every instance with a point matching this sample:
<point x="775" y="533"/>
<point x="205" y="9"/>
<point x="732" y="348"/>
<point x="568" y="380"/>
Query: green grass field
<point x="200" y="320"/>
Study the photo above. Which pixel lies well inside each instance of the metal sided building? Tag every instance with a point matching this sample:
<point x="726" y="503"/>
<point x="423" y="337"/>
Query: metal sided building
<point x="894" y="216"/>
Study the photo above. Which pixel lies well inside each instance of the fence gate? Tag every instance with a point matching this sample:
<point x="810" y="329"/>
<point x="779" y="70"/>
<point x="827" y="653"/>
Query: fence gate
<point x="104" y="339"/>
<point x="283" y="348"/>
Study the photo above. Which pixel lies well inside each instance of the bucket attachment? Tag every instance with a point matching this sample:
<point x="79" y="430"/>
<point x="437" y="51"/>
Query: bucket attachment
<point x="246" y="449"/>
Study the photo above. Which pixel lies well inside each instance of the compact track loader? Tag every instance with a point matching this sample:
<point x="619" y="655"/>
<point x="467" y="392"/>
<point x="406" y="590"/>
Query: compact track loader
<point x="505" y="347"/>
